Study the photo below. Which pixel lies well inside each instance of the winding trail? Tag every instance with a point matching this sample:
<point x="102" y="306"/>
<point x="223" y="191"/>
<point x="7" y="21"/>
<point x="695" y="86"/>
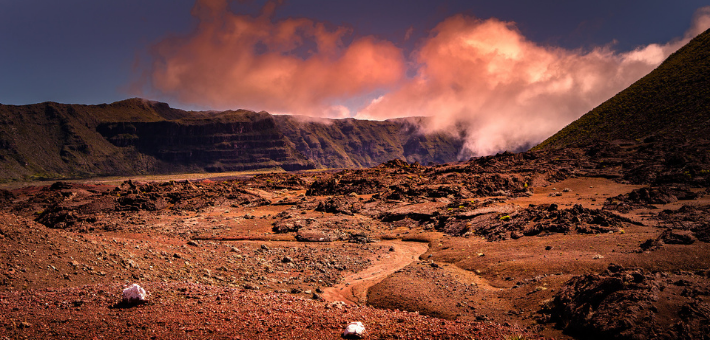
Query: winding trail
<point x="353" y="288"/>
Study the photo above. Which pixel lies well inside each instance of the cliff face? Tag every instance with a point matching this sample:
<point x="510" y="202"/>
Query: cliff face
<point x="351" y="143"/>
<point x="135" y="136"/>
<point x="228" y="141"/>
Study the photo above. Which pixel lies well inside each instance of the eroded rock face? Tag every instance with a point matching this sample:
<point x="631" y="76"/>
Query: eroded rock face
<point x="631" y="303"/>
<point x="352" y="143"/>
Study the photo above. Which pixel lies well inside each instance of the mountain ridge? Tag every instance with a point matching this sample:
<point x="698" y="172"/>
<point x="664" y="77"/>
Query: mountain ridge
<point x="136" y="136"/>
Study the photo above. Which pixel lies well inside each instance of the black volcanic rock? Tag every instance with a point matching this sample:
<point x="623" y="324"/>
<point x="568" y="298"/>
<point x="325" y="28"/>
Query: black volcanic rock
<point x="632" y="303"/>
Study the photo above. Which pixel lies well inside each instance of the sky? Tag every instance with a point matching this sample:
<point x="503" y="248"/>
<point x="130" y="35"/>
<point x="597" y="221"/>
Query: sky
<point x="506" y="74"/>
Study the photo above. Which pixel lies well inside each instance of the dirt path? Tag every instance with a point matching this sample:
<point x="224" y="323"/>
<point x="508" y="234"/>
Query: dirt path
<point x="353" y="288"/>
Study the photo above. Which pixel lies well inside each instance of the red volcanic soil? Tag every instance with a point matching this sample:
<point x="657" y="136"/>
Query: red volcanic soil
<point x="189" y="310"/>
<point x="486" y="250"/>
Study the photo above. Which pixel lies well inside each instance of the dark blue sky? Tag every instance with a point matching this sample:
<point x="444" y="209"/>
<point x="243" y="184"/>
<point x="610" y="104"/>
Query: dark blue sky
<point x="84" y="51"/>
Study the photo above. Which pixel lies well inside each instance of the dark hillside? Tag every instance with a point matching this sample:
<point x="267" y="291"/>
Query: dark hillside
<point x="657" y="131"/>
<point x="51" y="140"/>
<point x="673" y="101"/>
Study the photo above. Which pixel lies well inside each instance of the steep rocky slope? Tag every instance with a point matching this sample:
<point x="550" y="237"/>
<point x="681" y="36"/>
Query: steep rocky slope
<point x="55" y="140"/>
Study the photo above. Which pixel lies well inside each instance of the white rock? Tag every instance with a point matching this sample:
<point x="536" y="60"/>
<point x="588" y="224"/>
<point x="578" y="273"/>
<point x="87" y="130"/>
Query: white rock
<point x="134" y="294"/>
<point x="355" y="330"/>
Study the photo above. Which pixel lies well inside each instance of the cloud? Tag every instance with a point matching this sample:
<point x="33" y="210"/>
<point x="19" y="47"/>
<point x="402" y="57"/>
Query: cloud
<point x="507" y="92"/>
<point x="294" y="65"/>
<point x="482" y="77"/>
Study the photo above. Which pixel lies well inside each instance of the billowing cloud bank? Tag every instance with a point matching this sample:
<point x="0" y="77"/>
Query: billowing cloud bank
<point x="509" y="92"/>
<point x="293" y="65"/>
<point x="482" y="77"/>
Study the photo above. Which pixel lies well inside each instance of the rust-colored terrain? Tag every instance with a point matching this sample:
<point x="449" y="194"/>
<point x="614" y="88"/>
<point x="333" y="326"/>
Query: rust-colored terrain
<point x="600" y="232"/>
<point x="502" y="246"/>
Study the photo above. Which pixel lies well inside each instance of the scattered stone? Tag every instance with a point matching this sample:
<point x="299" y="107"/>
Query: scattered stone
<point x="689" y="217"/>
<point x="134" y="294"/>
<point x="250" y="286"/>
<point x="354" y="330"/>
<point x="314" y="235"/>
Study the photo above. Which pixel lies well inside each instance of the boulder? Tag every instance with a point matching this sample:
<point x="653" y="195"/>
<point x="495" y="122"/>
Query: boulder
<point x="134" y="294"/>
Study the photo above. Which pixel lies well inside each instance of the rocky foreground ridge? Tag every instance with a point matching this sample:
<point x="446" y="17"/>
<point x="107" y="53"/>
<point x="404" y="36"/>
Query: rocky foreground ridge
<point x="136" y="136"/>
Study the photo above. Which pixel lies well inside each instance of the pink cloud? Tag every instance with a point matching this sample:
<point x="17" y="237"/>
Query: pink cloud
<point x="507" y="92"/>
<point x="239" y="61"/>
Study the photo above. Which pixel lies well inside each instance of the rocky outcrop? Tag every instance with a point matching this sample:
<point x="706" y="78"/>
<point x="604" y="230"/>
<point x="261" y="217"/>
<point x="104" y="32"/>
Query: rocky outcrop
<point x="632" y="303"/>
